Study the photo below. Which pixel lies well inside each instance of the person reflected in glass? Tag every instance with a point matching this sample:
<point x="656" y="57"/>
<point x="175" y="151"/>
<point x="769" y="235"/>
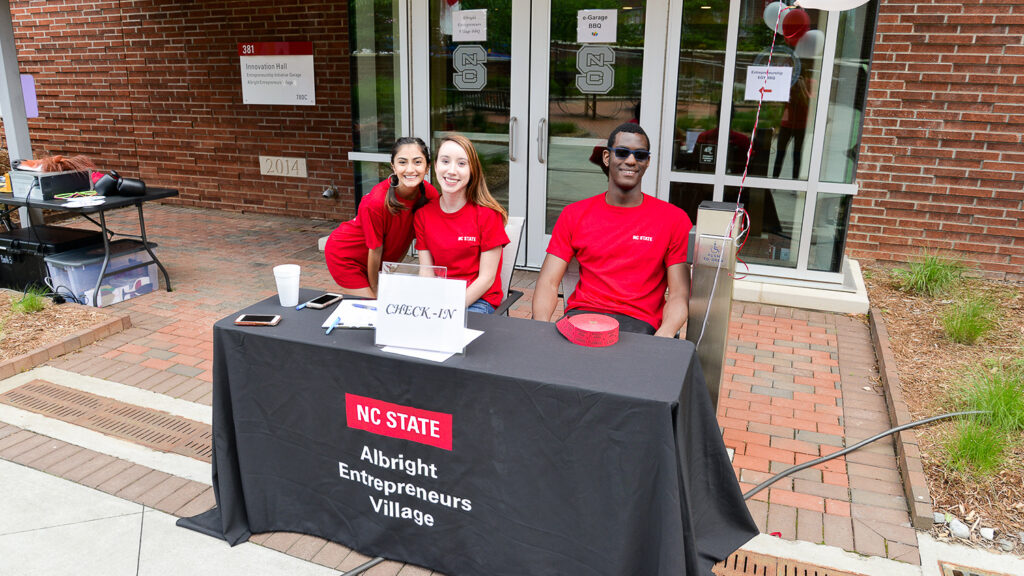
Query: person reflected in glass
<point x="464" y="230"/>
<point x="630" y="246"/>
<point x="738" y="146"/>
<point x="382" y="230"/>
<point x="794" y="124"/>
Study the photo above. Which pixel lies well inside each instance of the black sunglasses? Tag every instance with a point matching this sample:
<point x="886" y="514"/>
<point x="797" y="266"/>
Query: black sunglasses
<point x="640" y="155"/>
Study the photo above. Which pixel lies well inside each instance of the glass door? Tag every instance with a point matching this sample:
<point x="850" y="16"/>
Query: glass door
<point x="589" y="73"/>
<point x="475" y="57"/>
<point x="538" y="86"/>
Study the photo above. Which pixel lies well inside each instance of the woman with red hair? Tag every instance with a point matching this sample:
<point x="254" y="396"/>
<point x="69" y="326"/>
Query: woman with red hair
<point x="465" y="229"/>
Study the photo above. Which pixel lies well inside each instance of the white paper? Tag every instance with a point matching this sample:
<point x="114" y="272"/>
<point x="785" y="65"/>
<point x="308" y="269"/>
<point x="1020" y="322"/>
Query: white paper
<point x="284" y="80"/>
<point x="469" y="26"/>
<point x="469" y="336"/>
<point x="776" y="83"/>
<point x="421" y="312"/>
<point x="85" y="202"/>
<point x="596" y="26"/>
<point x="353" y="314"/>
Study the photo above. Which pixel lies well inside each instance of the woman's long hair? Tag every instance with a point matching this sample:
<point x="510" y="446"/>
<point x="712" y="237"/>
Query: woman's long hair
<point x="476" y="189"/>
<point x="391" y="200"/>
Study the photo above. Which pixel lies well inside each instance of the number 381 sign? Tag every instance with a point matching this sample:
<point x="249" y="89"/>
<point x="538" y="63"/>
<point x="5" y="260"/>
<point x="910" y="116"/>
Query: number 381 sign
<point x="277" y="73"/>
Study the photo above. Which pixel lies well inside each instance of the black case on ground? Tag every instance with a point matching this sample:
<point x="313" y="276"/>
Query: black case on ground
<point x="22" y="251"/>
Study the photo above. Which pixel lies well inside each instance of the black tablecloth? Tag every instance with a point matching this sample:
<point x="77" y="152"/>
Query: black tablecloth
<point x="564" y="460"/>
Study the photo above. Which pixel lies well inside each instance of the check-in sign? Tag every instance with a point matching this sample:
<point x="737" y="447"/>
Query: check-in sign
<point x="421" y="312"/>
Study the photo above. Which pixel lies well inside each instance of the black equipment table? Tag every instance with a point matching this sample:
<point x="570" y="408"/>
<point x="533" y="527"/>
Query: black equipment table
<point x="110" y="203"/>
<point x="527" y="455"/>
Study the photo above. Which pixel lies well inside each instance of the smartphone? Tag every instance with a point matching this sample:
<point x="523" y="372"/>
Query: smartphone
<point x="257" y="320"/>
<point x="323" y="301"/>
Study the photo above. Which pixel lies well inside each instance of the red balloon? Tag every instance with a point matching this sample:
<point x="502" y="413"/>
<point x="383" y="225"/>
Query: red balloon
<point x="796" y="22"/>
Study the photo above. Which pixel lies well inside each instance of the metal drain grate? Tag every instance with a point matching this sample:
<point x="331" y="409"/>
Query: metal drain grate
<point x="152" y="428"/>
<point x="950" y="569"/>
<point x="750" y="564"/>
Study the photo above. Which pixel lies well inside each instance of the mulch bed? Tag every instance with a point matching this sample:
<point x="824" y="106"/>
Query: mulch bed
<point x="930" y="368"/>
<point x="21" y="333"/>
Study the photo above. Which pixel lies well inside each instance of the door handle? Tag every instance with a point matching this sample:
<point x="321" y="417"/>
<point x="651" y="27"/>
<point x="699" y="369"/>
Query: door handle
<point x="513" y="123"/>
<point x="541" y="139"/>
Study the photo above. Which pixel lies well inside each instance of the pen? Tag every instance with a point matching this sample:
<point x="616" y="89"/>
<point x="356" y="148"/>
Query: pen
<point x="364" y="306"/>
<point x="301" y="306"/>
<point x="334" y="324"/>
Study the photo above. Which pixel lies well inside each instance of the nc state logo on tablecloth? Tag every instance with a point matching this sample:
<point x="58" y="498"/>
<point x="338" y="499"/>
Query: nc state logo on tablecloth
<point x="397" y="421"/>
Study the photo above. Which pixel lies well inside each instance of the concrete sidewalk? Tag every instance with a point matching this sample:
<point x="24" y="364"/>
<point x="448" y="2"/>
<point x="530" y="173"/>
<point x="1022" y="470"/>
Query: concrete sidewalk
<point x="798" y="385"/>
<point x="53" y="526"/>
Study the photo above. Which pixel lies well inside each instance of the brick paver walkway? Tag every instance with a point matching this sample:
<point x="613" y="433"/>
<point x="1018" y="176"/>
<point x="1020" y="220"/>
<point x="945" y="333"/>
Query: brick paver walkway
<point x="798" y="385"/>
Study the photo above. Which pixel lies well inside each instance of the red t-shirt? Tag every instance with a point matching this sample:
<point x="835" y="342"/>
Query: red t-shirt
<point x="624" y="254"/>
<point x="456" y="241"/>
<point x="374" y="226"/>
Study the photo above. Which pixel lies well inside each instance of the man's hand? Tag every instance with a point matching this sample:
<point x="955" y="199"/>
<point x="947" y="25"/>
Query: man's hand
<point x="677" y="305"/>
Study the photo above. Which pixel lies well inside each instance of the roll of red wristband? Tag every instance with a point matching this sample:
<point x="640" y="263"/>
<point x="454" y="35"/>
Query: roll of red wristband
<point x="593" y="330"/>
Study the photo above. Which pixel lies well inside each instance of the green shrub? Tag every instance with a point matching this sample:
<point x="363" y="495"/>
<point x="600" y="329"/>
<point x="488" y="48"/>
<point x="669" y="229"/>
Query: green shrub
<point x="968" y="320"/>
<point x="975" y="448"/>
<point x="932" y="276"/>
<point x="980" y="440"/>
<point x="32" y="301"/>
<point x="562" y="128"/>
<point x="998" y="389"/>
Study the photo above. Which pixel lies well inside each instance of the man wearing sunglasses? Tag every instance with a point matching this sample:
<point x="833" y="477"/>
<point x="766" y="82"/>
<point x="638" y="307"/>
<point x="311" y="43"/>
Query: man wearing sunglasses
<point x="631" y="247"/>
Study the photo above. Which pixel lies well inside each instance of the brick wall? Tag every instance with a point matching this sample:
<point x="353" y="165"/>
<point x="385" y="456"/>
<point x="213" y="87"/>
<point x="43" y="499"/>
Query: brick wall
<point x="152" y="89"/>
<point x="942" y="156"/>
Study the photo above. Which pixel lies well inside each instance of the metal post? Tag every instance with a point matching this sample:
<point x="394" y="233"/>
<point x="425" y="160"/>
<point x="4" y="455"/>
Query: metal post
<point x="714" y="262"/>
<point x="12" y="105"/>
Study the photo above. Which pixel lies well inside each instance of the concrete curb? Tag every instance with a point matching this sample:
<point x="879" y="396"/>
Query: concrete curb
<point x="70" y="343"/>
<point x="908" y="453"/>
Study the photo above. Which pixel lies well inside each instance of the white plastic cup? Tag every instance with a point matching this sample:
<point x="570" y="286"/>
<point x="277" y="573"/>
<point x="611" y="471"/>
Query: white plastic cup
<point x="287" y="276"/>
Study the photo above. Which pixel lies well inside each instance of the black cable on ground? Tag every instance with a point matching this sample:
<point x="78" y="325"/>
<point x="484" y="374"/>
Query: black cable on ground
<point x="847" y="450"/>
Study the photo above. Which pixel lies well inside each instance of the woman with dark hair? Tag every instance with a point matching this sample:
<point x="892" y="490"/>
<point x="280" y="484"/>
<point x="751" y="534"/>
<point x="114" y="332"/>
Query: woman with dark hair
<point x="465" y="229"/>
<point x="383" y="228"/>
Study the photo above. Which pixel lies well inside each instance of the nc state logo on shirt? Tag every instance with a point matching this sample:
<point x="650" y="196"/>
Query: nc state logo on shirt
<point x="643" y="238"/>
<point x="467" y="238"/>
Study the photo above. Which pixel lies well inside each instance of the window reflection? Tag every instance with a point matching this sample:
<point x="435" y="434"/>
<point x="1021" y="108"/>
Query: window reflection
<point x="470" y="85"/>
<point x="368" y="175"/>
<point x="828" y="236"/>
<point x="376" y="106"/>
<point x="782" y="142"/>
<point x="689" y="196"/>
<point x="580" y="116"/>
<point x="776" y="218"/>
<point x="849" y="94"/>
<point x="699" y="86"/>
<point x="780" y="148"/>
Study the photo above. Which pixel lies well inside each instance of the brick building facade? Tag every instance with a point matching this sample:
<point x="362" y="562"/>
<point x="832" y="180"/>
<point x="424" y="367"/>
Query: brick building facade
<point x="942" y="152"/>
<point x="152" y="89"/>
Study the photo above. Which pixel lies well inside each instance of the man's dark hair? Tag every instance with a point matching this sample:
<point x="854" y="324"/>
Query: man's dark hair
<point x="631" y="128"/>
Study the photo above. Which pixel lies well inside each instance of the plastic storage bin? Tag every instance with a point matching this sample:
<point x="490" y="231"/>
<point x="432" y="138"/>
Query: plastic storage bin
<point x="22" y="252"/>
<point x="77" y="271"/>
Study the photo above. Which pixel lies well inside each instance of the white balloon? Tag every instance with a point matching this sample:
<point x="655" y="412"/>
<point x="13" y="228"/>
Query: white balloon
<point x="832" y="5"/>
<point x="810" y="44"/>
<point x="771" y="15"/>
